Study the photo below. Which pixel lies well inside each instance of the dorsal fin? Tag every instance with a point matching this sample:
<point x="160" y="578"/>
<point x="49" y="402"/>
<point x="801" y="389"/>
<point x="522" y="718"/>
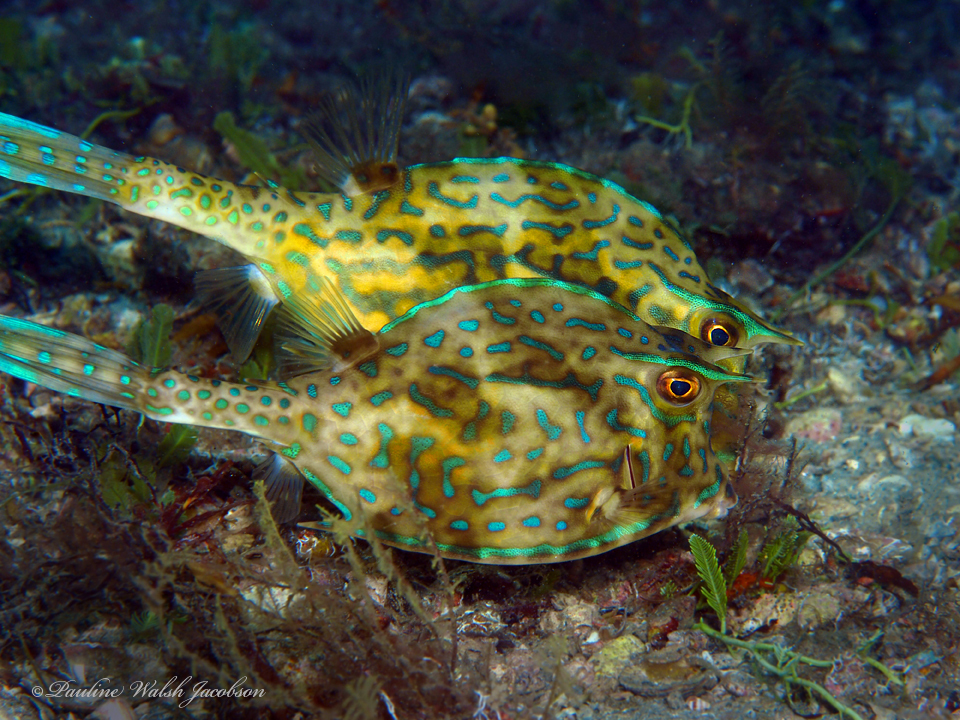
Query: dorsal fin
<point x="242" y="299"/>
<point x="316" y="330"/>
<point x="354" y="133"/>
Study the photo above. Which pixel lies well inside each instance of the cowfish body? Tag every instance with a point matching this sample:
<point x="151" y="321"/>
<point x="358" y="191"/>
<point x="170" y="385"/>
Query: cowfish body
<point x="520" y="421"/>
<point x="440" y="226"/>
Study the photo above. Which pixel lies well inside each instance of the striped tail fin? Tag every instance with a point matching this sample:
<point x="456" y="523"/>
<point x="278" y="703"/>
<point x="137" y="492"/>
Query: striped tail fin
<point x="70" y="364"/>
<point x="40" y="155"/>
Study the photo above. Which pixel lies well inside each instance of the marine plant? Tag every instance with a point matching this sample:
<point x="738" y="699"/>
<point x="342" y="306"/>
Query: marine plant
<point x="943" y="249"/>
<point x="775" y="659"/>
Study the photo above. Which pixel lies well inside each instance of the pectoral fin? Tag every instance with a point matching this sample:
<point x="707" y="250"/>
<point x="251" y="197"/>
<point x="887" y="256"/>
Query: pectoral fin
<point x="242" y="299"/>
<point x="284" y="487"/>
<point x="316" y="330"/>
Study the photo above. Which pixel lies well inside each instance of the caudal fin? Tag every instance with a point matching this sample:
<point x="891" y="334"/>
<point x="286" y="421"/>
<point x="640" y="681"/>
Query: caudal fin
<point x="39" y="155"/>
<point x="69" y="364"/>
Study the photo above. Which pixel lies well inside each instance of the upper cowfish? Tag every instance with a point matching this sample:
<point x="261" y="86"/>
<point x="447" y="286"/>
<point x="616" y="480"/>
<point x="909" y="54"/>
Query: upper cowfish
<point x="396" y="237"/>
<point x="518" y="421"/>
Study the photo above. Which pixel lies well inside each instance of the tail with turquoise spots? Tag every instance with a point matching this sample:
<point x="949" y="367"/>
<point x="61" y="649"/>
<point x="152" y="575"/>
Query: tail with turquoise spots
<point x="70" y="364"/>
<point x="227" y="212"/>
<point x="83" y="369"/>
<point x="39" y="155"/>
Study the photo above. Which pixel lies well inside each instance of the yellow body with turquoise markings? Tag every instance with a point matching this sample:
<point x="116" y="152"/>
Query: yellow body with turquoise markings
<point x="518" y="421"/>
<point x="440" y="226"/>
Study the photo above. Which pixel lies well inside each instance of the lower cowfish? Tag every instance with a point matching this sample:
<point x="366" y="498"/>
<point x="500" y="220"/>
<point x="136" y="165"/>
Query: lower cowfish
<point x="518" y="421"/>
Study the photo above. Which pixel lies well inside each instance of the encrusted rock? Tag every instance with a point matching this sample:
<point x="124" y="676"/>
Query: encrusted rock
<point x="615" y="655"/>
<point x="669" y="672"/>
<point x="819" y="425"/>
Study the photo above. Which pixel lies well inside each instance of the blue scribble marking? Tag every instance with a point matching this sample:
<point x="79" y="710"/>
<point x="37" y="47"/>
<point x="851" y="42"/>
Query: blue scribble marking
<point x="434" y="340"/>
<point x="497" y="197"/>
<point x="433" y="189"/>
<point x="533" y="490"/>
<point x="470" y="382"/>
<point x="530" y="342"/>
<point x="594" y="224"/>
<point x="583" y="433"/>
<point x="429" y="404"/>
<point x="579" y="322"/>
<point x="449" y="465"/>
<point x="569" y="381"/>
<point x="636" y="245"/>
<point x="382" y="460"/>
<point x="402" y="235"/>
<point x="616" y="425"/>
<point x="468" y="230"/>
<point x="557" y="232"/>
<point x="552" y="431"/>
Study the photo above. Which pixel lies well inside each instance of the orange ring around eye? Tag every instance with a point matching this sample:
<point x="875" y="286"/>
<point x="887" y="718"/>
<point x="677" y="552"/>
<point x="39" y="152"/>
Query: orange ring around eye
<point x="719" y="331"/>
<point x="678" y="386"/>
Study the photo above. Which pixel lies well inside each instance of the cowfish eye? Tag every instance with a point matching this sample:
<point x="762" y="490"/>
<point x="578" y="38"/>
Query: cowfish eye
<point x="678" y="386"/>
<point x="719" y="331"/>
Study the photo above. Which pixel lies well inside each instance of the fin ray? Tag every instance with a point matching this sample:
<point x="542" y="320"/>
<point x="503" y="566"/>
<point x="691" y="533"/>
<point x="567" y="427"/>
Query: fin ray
<point x="318" y="331"/>
<point x="241" y="298"/>
<point x="284" y="487"/>
<point x="39" y="155"/>
<point x="355" y="131"/>
<point x="69" y="364"/>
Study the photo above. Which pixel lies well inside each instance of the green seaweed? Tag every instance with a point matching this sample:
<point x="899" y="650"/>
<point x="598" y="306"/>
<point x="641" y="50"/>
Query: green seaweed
<point x="236" y="55"/>
<point x="14" y="51"/>
<point x="262" y="363"/>
<point x="255" y="154"/>
<point x="649" y="90"/>
<point x="737" y="559"/>
<point x="151" y="344"/>
<point x="669" y="590"/>
<point x="782" y="552"/>
<point x="176" y="445"/>
<point x="783" y="663"/>
<point x="858" y="246"/>
<point x="144" y="626"/>
<point x="122" y="482"/>
<point x="943" y="251"/>
<point x="683" y="126"/>
<point x="714" y="587"/>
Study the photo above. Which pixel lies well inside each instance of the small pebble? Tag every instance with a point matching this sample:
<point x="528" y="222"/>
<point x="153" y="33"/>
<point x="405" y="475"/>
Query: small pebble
<point x="924" y="427"/>
<point x="844" y="386"/>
